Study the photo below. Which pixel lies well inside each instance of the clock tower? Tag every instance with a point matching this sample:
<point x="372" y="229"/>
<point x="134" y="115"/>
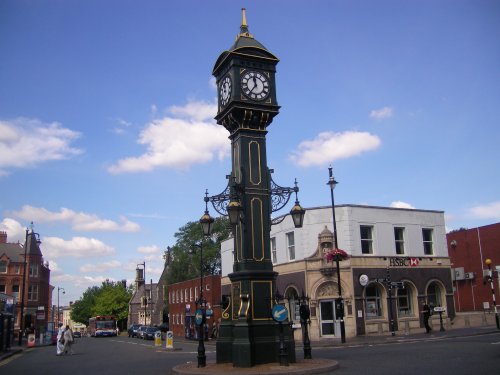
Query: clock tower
<point x="245" y="77"/>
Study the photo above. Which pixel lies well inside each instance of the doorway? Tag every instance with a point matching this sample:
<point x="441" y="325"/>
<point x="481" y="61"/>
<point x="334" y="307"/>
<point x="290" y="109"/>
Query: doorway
<point x="327" y="318"/>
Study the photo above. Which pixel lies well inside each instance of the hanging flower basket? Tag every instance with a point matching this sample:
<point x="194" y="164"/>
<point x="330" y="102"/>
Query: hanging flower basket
<point x="335" y="254"/>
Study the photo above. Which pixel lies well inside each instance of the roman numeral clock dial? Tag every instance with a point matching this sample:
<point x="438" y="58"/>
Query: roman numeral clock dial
<point x="255" y="85"/>
<point x="225" y="90"/>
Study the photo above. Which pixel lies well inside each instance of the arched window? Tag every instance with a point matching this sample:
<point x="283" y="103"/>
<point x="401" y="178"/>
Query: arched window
<point x="373" y="304"/>
<point x="434" y="294"/>
<point x="293" y="304"/>
<point x="404" y="301"/>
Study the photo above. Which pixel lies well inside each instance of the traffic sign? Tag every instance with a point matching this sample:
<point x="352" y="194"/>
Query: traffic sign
<point x="398" y="284"/>
<point x="279" y="313"/>
<point x="199" y="317"/>
<point x="439" y="309"/>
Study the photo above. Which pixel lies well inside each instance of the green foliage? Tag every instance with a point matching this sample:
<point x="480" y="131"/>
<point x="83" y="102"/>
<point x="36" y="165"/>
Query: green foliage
<point x="185" y="264"/>
<point x="111" y="298"/>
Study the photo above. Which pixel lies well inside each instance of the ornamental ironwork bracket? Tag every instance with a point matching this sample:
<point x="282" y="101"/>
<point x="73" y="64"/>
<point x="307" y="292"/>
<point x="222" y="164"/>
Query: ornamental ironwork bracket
<point x="280" y="196"/>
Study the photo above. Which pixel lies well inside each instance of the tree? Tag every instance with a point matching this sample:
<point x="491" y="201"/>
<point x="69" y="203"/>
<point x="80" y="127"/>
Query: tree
<point x="111" y="298"/>
<point x="185" y="255"/>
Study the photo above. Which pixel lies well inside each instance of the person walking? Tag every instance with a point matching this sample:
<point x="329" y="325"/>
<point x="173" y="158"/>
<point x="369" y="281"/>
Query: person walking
<point x="68" y="341"/>
<point x="426" y="311"/>
<point x="60" y="340"/>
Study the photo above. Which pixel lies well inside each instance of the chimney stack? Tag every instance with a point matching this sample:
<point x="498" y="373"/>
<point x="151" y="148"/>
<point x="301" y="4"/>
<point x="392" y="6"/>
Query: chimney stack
<point x="3" y="237"/>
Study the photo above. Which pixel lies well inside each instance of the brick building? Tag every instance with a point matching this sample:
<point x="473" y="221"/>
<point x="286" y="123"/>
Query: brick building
<point x="468" y="250"/>
<point x="183" y="299"/>
<point x="37" y="289"/>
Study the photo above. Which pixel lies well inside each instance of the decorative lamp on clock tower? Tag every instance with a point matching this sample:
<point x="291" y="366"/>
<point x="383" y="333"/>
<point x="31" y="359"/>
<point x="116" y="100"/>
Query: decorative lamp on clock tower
<point x="245" y="77"/>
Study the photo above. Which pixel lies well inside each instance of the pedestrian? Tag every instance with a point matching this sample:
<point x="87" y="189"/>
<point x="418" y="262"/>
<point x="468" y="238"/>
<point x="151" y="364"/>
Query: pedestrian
<point x="60" y="340"/>
<point x="68" y="340"/>
<point x="426" y="311"/>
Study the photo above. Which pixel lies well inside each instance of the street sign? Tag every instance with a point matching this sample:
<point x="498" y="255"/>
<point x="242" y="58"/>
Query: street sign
<point x="170" y="340"/>
<point x="439" y="309"/>
<point x="279" y="313"/>
<point x="199" y="317"/>
<point x="380" y="280"/>
<point x="398" y="284"/>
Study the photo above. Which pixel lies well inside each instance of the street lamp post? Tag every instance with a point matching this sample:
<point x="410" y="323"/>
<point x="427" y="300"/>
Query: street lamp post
<point x="58" y="312"/>
<point x="305" y="320"/>
<point x="340" y="302"/>
<point x="490" y="277"/>
<point x="206" y="222"/>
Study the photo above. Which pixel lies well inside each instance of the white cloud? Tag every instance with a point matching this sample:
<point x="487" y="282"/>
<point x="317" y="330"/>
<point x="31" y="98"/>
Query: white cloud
<point x="30" y="142"/>
<point x="382" y="113"/>
<point x="101" y="267"/>
<point x="189" y="137"/>
<point x="329" y="146"/>
<point x="79" y="247"/>
<point x="148" y="249"/>
<point x="399" y="204"/>
<point x="15" y="231"/>
<point x="80" y="281"/>
<point x="487" y="211"/>
<point x="79" y="221"/>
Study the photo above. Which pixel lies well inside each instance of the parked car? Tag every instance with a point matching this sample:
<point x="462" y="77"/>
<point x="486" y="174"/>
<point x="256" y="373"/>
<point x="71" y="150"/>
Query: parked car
<point x="132" y="330"/>
<point x="77" y="334"/>
<point x="149" y="333"/>
<point x="140" y="331"/>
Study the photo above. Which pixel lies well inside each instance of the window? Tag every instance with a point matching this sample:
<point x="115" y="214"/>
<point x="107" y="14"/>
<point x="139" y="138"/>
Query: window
<point x="290" y="241"/>
<point x="33" y="270"/>
<point x="33" y="293"/>
<point x="366" y="232"/>
<point x="2" y="288"/>
<point x="190" y="294"/>
<point x="273" y="250"/>
<point x="17" y="269"/>
<point x="293" y="304"/>
<point x="399" y="240"/>
<point x="15" y="291"/>
<point x="427" y="238"/>
<point x="3" y="266"/>
<point x="434" y="295"/>
<point x="404" y="304"/>
<point x="373" y="301"/>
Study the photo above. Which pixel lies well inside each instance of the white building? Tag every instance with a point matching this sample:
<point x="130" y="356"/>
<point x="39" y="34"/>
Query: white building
<point x="406" y="246"/>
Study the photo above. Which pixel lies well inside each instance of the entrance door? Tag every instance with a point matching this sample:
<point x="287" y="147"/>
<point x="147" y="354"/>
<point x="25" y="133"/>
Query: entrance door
<point x="327" y="317"/>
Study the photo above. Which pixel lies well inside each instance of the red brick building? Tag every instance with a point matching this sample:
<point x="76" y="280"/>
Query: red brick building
<point x="468" y="250"/>
<point x="37" y="290"/>
<point x="182" y="303"/>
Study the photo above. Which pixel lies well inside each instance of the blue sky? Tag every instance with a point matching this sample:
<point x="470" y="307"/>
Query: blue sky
<point x="107" y="137"/>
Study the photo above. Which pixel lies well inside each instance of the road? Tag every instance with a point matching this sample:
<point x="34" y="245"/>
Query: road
<point x="479" y="354"/>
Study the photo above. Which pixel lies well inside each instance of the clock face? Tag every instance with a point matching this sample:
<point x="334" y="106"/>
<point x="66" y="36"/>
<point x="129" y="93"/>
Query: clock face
<point x="255" y="85"/>
<point x="225" y="90"/>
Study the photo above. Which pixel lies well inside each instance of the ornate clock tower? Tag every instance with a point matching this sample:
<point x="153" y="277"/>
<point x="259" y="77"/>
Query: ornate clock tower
<point x="245" y="76"/>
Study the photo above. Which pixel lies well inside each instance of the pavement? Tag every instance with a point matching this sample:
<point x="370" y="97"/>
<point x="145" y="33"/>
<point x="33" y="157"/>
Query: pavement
<point x="366" y="340"/>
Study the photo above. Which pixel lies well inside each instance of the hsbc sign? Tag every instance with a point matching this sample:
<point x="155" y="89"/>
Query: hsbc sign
<point x="403" y="262"/>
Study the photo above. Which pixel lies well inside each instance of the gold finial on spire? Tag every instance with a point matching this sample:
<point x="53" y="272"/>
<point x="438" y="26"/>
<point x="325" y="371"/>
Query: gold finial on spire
<point x="244" y="17"/>
<point x="244" y="26"/>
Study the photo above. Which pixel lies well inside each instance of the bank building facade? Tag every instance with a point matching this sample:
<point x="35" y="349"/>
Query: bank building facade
<point x="397" y="260"/>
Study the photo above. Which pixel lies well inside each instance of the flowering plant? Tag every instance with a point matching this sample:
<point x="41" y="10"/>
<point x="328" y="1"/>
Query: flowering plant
<point x="334" y="253"/>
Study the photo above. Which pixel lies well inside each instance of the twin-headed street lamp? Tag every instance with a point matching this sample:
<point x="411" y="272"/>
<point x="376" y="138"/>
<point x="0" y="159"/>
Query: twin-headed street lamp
<point x="206" y="222"/>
